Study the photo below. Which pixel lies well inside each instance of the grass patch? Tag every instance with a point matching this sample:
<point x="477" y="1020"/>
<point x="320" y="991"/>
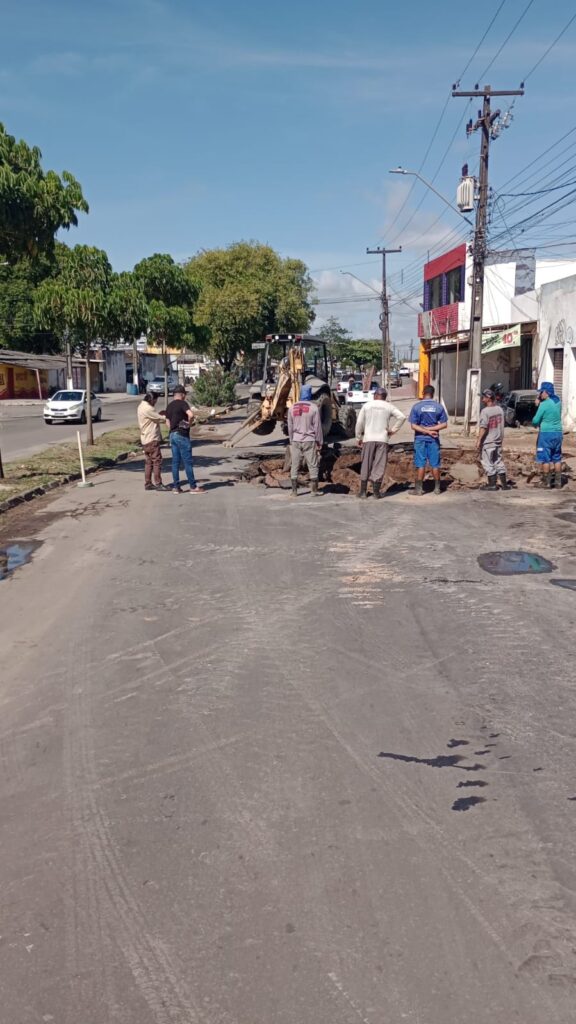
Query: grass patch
<point x="56" y="463"/>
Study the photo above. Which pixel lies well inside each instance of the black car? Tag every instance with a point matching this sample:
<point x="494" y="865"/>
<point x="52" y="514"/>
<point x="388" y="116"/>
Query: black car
<point x="519" y="408"/>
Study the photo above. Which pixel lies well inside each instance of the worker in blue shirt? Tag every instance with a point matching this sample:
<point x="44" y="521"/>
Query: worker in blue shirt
<point x="427" y="419"/>
<point x="548" y="419"/>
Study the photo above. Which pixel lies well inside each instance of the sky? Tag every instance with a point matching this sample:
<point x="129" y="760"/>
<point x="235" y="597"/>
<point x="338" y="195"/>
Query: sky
<point x="192" y="126"/>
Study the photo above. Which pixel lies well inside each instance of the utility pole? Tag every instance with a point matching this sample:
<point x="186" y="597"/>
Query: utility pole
<point x="486" y="124"/>
<point x="385" y="313"/>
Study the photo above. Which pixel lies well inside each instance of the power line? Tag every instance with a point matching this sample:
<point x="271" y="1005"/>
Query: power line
<point x="550" y="48"/>
<point x="507" y="40"/>
<point x="461" y="75"/>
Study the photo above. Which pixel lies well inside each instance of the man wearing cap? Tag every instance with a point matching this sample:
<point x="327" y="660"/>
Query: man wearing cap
<point x="377" y="422"/>
<point x="306" y="438"/>
<point x="490" y="440"/>
<point x="427" y="419"/>
<point x="548" y="419"/>
<point x="179" y="417"/>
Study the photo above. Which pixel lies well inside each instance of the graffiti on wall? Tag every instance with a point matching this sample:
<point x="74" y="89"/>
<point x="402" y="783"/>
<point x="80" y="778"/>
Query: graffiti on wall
<point x="563" y="334"/>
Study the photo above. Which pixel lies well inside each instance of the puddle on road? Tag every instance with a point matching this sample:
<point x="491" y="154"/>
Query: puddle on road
<point x="514" y="563"/>
<point x="565" y="584"/>
<point x="12" y="556"/>
<point x="464" y="803"/>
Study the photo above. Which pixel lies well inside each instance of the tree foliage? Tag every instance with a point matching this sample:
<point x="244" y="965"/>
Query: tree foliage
<point x="245" y="292"/>
<point x="18" y="327"/>
<point x="170" y="296"/>
<point x="215" y="387"/>
<point x="128" y="313"/>
<point x="34" y="204"/>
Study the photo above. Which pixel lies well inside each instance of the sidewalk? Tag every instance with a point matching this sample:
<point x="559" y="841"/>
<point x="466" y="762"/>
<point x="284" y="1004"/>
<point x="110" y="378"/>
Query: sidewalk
<point x="106" y="396"/>
<point x="515" y="438"/>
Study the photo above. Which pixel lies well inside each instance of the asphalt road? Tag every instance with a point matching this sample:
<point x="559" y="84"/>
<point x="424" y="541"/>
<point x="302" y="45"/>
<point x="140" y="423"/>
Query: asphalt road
<point x="23" y="431"/>
<point x="230" y="784"/>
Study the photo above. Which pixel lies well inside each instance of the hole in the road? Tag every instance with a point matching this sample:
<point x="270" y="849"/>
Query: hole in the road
<point x="443" y="761"/>
<point x="12" y="556"/>
<point x="565" y="584"/>
<point x="514" y="563"/>
<point x="464" y="803"/>
<point x="469" y="783"/>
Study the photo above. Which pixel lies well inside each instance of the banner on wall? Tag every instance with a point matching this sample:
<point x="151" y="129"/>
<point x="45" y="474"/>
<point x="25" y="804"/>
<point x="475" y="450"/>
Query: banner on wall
<point x="510" y="338"/>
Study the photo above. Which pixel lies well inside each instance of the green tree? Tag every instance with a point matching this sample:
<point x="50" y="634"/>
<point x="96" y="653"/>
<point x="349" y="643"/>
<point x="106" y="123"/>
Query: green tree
<point x="215" y="387"/>
<point x="34" y="204"/>
<point x="245" y="292"/>
<point x="359" y="353"/>
<point x="74" y="304"/>
<point x="18" y="327"/>
<point x="170" y="296"/>
<point x="128" y="313"/>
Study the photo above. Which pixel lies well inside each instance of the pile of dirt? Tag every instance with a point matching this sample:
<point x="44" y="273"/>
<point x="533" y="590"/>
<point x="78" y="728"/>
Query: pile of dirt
<point x="340" y="469"/>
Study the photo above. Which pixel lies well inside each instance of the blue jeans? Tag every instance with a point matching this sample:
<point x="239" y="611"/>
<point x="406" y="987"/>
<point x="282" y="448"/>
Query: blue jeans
<point x="182" y="454"/>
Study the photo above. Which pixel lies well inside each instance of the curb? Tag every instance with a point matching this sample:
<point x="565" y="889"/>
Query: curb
<point x="37" y="492"/>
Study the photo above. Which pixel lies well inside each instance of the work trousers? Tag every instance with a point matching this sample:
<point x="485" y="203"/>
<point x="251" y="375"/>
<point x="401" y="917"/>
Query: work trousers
<point x="374" y="460"/>
<point x="181" y="448"/>
<point x="307" y="450"/>
<point x="153" y="462"/>
<point x="491" y="459"/>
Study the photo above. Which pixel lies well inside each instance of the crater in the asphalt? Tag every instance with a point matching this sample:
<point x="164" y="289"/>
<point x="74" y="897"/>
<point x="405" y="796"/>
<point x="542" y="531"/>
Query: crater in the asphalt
<point x="514" y="563"/>
<point x="469" y="783"/>
<point x="565" y="584"/>
<point x="442" y="761"/>
<point x="464" y="803"/>
<point x="14" y="555"/>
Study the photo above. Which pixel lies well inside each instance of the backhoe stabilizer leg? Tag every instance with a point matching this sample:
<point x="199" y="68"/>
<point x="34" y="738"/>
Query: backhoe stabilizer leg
<point x="247" y="427"/>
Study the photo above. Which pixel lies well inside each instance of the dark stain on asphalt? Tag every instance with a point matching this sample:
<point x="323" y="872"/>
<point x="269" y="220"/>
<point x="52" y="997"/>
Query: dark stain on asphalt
<point x="566" y="517"/>
<point x="514" y="563"/>
<point x="464" y="803"/>
<point x="480" y="753"/>
<point x="469" y="783"/>
<point x="537" y="769"/>
<point x="494" y="735"/>
<point x="572" y="797"/>
<point x="565" y="584"/>
<point x="15" y="555"/>
<point x="442" y="761"/>
<point x="504" y="757"/>
<point x="457" y="743"/>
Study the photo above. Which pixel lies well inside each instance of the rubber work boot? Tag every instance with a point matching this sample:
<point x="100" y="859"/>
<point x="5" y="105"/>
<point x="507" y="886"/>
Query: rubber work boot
<point x="363" y="488"/>
<point x="419" y="487"/>
<point x="437" y="489"/>
<point x="376" y="488"/>
<point x="549" y="481"/>
<point x="558" y="476"/>
<point x="314" y="488"/>
<point x="491" y="485"/>
<point x="503" y="481"/>
<point x="294" y="491"/>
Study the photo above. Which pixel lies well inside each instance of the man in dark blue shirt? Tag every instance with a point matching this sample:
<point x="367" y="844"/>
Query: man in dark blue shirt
<point x="427" y="418"/>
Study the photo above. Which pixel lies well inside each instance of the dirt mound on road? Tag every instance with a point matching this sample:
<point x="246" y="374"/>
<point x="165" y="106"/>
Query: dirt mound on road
<point x="340" y="469"/>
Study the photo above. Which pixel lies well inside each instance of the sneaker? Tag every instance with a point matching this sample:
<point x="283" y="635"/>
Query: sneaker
<point x="197" y="490"/>
<point x="161" y="487"/>
<point x="149" y="487"/>
<point x="176" y="490"/>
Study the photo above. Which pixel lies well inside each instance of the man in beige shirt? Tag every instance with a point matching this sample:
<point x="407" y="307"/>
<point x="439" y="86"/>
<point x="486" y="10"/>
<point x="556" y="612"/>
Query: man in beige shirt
<point x="151" y="439"/>
<point x="377" y="422"/>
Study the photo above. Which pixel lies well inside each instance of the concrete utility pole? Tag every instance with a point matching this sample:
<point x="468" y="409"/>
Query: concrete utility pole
<point x="486" y="124"/>
<point x="385" y="314"/>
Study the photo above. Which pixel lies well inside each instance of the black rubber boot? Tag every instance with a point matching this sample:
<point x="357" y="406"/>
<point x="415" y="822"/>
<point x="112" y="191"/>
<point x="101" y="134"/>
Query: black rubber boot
<point x="558" y="479"/>
<point x="363" y="489"/>
<point x="549" y="481"/>
<point x="294" y="492"/>
<point x="419" y="487"/>
<point x="503" y="481"/>
<point x="314" y="488"/>
<point x="376" y="488"/>
<point x="437" y="488"/>
<point x="491" y="485"/>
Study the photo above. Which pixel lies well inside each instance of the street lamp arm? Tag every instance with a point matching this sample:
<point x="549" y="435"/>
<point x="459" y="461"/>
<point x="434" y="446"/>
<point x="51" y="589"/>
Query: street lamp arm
<point x="416" y="174"/>
<point x="347" y="273"/>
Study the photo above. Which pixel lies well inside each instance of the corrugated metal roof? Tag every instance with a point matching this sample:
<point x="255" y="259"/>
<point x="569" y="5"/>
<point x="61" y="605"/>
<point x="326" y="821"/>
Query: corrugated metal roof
<point x="31" y="361"/>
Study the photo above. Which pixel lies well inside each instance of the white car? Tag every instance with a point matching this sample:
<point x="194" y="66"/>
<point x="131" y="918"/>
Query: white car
<point x="70" y="407"/>
<point x="357" y="396"/>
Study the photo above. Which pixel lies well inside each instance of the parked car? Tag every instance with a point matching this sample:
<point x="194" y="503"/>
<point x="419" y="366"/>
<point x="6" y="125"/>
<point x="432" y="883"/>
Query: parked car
<point x="357" y="396"/>
<point x="519" y="407"/>
<point x="344" y="383"/>
<point x="395" y="380"/>
<point x="70" y="407"/>
<point x="156" y="386"/>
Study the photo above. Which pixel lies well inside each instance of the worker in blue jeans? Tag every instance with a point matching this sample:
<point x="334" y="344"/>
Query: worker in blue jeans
<point x="427" y="419"/>
<point x="179" y="417"/>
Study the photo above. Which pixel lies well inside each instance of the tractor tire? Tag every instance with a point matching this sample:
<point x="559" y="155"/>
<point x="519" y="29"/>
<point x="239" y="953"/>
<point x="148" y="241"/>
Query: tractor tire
<point x="267" y="426"/>
<point x="347" y="416"/>
<point x="324" y="403"/>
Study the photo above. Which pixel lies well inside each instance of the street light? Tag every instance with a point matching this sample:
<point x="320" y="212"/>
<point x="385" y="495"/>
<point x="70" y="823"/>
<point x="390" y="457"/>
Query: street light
<point x="416" y="174"/>
<point x="347" y="273"/>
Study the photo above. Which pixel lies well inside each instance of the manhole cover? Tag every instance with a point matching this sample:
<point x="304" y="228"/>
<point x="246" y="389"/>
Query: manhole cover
<point x="565" y="584"/>
<point x="513" y="563"/>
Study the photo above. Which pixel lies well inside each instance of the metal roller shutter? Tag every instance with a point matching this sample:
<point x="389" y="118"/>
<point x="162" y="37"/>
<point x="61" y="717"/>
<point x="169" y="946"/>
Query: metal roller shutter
<point x="558" y="369"/>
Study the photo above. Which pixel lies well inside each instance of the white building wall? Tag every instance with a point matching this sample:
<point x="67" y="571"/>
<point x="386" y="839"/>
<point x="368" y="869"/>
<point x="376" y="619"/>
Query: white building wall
<point x="558" y="332"/>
